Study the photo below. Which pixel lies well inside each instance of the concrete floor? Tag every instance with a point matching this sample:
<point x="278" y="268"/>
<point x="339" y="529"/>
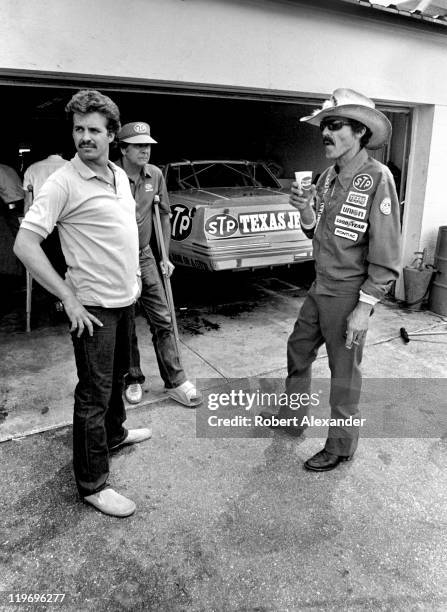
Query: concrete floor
<point x="229" y="524"/>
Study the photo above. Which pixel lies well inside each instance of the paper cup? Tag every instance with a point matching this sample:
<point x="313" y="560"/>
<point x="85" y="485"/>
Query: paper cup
<point x="304" y="179"/>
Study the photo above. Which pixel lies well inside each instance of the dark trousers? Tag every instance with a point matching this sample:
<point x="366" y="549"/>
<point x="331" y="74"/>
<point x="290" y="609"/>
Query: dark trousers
<point x="157" y="314"/>
<point x="101" y="361"/>
<point x="322" y="319"/>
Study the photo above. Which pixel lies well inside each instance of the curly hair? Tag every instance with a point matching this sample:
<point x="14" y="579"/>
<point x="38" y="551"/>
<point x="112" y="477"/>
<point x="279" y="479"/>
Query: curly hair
<point x="92" y="101"/>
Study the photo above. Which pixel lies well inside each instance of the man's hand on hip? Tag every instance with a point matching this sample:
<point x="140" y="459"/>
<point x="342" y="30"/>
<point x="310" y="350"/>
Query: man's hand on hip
<point x="79" y="316"/>
<point x="357" y="324"/>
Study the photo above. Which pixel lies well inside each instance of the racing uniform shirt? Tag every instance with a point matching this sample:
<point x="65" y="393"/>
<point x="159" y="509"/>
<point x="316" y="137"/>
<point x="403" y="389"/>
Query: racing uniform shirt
<point x="356" y="237"/>
<point x="149" y="183"/>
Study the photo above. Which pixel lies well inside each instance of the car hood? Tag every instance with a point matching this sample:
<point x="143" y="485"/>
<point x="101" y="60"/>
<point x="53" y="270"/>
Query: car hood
<point x="234" y="196"/>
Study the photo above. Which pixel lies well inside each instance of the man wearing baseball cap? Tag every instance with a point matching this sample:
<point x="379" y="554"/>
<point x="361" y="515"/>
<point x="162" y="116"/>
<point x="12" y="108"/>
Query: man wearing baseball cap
<point x="352" y="214"/>
<point x="146" y="181"/>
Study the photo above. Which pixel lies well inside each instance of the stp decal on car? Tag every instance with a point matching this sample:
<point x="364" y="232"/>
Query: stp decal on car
<point x="362" y="182"/>
<point x="181" y="221"/>
<point x="359" y="199"/>
<point x="221" y="226"/>
<point x="352" y="211"/>
<point x="351" y="224"/>
<point x="385" y="206"/>
<point x="345" y="234"/>
<point x="254" y="223"/>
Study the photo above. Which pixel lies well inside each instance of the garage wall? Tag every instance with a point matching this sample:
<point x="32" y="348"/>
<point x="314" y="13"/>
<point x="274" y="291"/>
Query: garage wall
<point x="435" y="209"/>
<point x="252" y="43"/>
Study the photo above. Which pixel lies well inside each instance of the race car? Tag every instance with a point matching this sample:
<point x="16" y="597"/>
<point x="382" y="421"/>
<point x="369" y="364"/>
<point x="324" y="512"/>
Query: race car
<point x="228" y="214"/>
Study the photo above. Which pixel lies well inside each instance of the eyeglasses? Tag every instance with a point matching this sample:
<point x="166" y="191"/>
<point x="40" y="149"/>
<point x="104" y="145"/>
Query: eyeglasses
<point x="333" y="125"/>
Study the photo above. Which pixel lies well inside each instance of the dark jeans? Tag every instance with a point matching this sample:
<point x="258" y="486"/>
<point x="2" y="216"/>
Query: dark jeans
<point x="101" y="361"/>
<point x="156" y="312"/>
<point x="322" y="319"/>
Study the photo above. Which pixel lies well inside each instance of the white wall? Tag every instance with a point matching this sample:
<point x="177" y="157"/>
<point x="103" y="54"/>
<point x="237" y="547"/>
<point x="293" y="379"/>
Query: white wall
<point x="252" y="43"/>
<point x="435" y="208"/>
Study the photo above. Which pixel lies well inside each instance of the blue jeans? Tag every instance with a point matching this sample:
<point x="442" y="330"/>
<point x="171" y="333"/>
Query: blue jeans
<point x="101" y="361"/>
<point x="156" y="312"/>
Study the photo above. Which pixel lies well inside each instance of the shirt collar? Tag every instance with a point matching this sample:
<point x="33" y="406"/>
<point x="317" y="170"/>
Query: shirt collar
<point x="346" y="175"/>
<point x="86" y="172"/>
<point x="145" y="172"/>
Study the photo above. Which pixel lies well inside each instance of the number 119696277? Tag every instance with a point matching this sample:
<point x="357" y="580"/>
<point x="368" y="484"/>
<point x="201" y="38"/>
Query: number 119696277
<point x="36" y="597"/>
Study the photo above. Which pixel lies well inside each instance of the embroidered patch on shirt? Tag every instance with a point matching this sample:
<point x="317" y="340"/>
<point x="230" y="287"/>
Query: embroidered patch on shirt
<point x="327" y="183"/>
<point x="362" y="182"/>
<point x="385" y="206"/>
<point x="345" y="234"/>
<point x="319" y="213"/>
<point x="351" y="224"/>
<point x="148" y="187"/>
<point x="352" y="211"/>
<point x="360" y="199"/>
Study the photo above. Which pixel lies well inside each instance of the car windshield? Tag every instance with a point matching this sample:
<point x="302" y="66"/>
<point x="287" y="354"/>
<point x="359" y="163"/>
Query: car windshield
<point x="208" y="175"/>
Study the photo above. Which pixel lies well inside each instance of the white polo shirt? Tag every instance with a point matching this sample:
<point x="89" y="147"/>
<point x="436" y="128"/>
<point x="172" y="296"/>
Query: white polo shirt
<point x="97" y="229"/>
<point x="36" y="174"/>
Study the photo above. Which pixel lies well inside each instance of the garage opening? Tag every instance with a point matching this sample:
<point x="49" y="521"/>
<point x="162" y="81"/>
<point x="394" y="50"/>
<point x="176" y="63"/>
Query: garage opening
<point x="189" y="123"/>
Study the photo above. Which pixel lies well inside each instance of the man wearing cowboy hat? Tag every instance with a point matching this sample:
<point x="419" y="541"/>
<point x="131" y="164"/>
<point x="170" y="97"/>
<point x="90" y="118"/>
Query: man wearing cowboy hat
<point x="146" y="181"/>
<point x="352" y="214"/>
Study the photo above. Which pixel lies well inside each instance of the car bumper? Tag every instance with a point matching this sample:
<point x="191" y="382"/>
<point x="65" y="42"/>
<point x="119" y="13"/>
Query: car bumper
<point x="231" y="257"/>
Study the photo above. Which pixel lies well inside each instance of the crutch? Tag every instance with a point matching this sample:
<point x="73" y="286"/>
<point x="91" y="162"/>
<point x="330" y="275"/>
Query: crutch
<point x="29" y="282"/>
<point x="165" y="270"/>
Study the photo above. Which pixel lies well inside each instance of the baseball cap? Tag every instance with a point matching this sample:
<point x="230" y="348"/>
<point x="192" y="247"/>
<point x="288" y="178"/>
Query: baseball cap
<point x="137" y="132"/>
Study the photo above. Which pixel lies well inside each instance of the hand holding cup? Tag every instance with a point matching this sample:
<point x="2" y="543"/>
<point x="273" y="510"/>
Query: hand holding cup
<point x="303" y="191"/>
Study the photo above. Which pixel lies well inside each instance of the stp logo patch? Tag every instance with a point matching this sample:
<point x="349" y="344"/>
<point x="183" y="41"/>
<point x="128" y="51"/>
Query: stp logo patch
<point x="362" y="182"/>
<point x="141" y="128"/>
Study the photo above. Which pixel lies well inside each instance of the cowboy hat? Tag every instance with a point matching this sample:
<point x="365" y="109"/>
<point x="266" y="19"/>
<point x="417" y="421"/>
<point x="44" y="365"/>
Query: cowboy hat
<point x="350" y="104"/>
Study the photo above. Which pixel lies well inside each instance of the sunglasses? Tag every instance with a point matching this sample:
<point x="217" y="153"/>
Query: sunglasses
<point x="333" y="125"/>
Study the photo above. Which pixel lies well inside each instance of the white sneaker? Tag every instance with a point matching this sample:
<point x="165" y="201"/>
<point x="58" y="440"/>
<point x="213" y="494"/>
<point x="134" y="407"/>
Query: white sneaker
<point x="134" y="393"/>
<point x="112" y="503"/>
<point x="186" y="394"/>
<point x="134" y="436"/>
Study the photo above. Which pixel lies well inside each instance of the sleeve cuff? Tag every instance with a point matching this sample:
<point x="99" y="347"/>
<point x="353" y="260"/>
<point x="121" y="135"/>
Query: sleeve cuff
<point x="37" y="229"/>
<point x="368" y="299"/>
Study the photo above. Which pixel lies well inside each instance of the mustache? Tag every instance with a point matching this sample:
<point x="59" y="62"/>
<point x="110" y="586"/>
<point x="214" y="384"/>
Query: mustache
<point x="327" y="140"/>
